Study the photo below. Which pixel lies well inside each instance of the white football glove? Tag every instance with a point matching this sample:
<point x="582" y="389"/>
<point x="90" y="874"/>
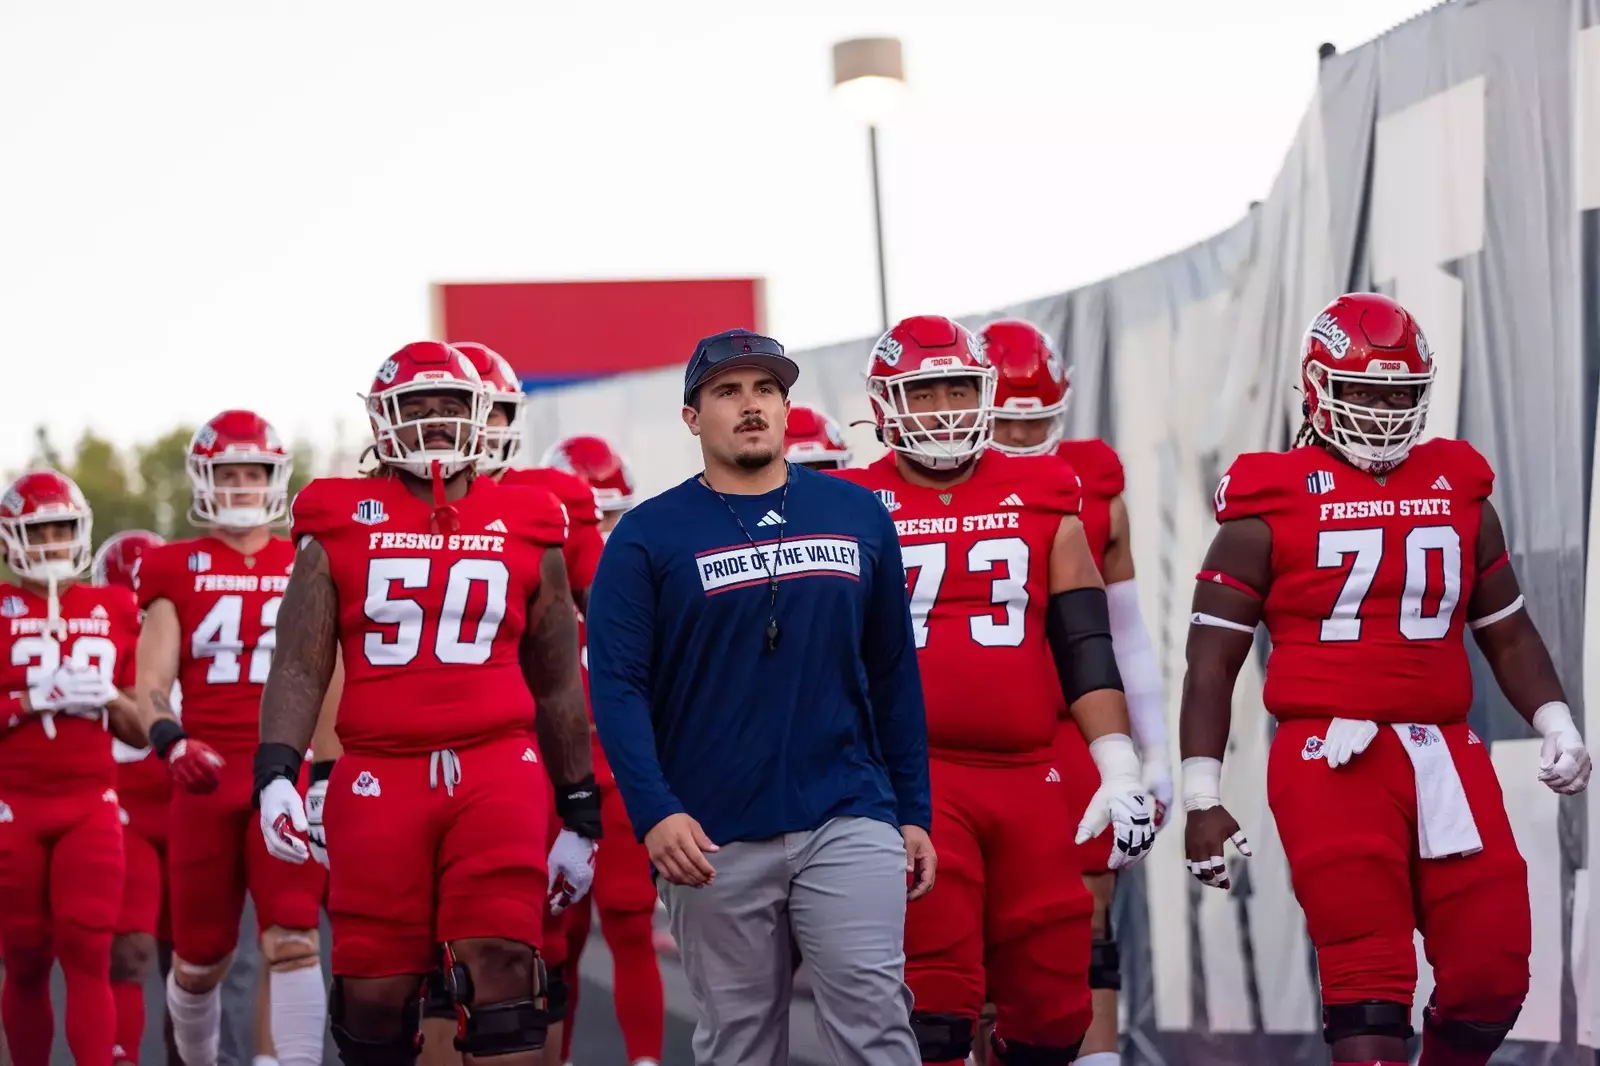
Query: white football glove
<point x="1347" y="738"/>
<point x="71" y="689"/>
<point x="1121" y="802"/>
<point x="571" y="869"/>
<point x="283" y="821"/>
<point x="316" y="836"/>
<point x="1156" y="774"/>
<point x="1564" y="762"/>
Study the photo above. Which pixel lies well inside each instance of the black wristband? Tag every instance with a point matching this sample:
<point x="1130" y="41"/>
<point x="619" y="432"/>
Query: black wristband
<point x="322" y="769"/>
<point x="272" y="762"/>
<point x="578" y="804"/>
<point x="163" y="734"/>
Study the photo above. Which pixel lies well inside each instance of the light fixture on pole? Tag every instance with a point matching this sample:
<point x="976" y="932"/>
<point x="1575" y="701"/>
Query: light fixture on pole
<point x="869" y="78"/>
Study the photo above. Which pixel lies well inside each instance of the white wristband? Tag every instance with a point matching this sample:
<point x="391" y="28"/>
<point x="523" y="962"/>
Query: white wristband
<point x="1553" y="718"/>
<point x="1116" y="758"/>
<point x="1202" y="783"/>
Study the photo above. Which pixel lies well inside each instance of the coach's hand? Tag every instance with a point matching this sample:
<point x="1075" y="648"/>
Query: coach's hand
<point x="678" y="847"/>
<point x="922" y="862"/>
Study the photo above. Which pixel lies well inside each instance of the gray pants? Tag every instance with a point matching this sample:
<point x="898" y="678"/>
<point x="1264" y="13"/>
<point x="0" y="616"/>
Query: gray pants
<point x="837" y="893"/>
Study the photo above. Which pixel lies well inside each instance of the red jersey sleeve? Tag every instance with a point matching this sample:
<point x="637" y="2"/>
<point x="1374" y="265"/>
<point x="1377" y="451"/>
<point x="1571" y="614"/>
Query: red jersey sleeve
<point x="541" y="519"/>
<point x="1096" y="463"/>
<point x="1477" y="476"/>
<point x="152" y="575"/>
<point x="124" y="609"/>
<point x="314" y="510"/>
<point x="1255" y="486"/>
<point x="1047" y="484"/>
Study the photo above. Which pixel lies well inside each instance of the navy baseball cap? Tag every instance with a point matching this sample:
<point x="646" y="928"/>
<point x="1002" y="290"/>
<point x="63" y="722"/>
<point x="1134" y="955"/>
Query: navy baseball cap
<point x="734" y="348"/>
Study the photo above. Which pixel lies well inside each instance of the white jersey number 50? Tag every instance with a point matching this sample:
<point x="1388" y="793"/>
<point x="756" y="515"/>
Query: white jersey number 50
<point x="450" y="643"/>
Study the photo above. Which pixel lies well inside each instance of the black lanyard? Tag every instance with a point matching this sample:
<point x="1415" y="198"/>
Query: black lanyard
<point x="772" y="567"/>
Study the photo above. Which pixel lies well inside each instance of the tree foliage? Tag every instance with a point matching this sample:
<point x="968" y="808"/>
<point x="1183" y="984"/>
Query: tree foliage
<point x="149" y="489"/>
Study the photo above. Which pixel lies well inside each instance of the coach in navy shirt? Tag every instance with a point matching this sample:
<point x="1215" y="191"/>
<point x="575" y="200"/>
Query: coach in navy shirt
<point x="754" y="682"/>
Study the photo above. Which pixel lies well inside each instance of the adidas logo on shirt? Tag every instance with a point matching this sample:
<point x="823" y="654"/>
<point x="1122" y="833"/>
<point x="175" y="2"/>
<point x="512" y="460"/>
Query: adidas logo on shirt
<point x="1053" y="776"/>
<point x="1441" y="484"/>
<point x="1012" y="500"/>
<point x="771" y="518"/>
<point x="496" y="526"/>
<point x="529" y="756"/>
<point x="97" y="611"/>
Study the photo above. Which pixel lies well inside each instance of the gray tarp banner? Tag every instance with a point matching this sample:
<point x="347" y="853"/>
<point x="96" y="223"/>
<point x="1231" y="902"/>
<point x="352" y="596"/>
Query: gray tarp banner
<point x="1455" y="164"/>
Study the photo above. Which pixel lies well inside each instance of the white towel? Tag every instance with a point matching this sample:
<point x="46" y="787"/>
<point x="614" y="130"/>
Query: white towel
<point x="1445" y="827"/>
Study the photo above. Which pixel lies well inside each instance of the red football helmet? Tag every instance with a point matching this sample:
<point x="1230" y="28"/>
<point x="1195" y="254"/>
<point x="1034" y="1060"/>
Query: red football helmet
<point x="813" y="438"/>
<point x="238" y="438"/>
<point x="601" y="465"/>
<point x="500" y="443"/>
<point x="924" y="349"/>
<point x="117" y="561"/>
<point x="1366" y="341"/>
<point x="401" y="436"/>
<point x="45" y="498"/>
<point x="1031" y="381"/>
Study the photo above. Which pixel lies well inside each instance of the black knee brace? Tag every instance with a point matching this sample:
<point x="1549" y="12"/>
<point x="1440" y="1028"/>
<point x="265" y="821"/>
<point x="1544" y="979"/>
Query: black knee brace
<point x="489" y="1029"/>
<point x="1105" y="965"/>
<point x="1015" y="1053"/>
<point x="942" y="1037"/>
<point x="436" y="1001"/>
<point x="1372" y="1017"/>
<point x="558" y="997"/>
<point x="355" y="1051"/>
<point x="1466" y="1036"/>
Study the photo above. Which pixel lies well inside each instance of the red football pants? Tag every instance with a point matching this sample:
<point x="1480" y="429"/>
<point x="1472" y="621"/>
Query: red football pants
<point x="1080" y="777"/>
<point x="215" y="854"/>
<point x="625" y="896"/>
<point x="1351" y="839"/>
<point x="61" y="868"/>
<point x="1009" y="920"/>
<point x="416" y="864"/>
<point x="144" y="896"/>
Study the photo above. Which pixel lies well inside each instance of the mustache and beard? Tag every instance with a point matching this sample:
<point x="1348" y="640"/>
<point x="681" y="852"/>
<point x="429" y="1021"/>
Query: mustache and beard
<point x="757" y="459"/>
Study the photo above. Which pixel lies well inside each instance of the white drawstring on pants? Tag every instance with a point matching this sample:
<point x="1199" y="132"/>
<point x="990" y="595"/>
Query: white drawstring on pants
<point x="445" y="764"/>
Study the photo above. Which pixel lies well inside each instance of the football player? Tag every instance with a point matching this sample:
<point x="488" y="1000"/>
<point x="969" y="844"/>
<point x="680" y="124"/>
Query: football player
<point x="211" y="608"/>
<point x="69" y="650"/>
<point x="1004" y="587"/>
<point x="1030" y="417"/>
<point x="447" y="596"/>
<point x="812" y="437"/>
<point x="144" y="791"/>
<point x="573" y="859"/>
<point x="624" y="891"/>
<point x="1369" y="556"/>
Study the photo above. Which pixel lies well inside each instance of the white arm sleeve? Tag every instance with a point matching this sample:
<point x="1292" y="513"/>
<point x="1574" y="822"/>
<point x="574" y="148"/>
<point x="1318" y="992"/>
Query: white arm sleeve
<point x="1136" y="662"/>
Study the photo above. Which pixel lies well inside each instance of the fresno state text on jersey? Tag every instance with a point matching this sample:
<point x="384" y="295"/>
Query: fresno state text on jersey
<point x="227" y="606"/>
<point x="582" y="549"/>
<point x="1100" y="472"/>
<point x="430" y="622"/>
<point x="1371" y="577"/>
<point x="98" y="627"/>
<point x="977" y="558"/>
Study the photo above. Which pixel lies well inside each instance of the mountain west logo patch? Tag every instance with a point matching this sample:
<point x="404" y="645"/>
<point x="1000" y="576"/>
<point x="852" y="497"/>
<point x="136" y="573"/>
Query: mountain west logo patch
<point x="370" y="512"/>
<point x="199" y="562"/>
<point x="13" y="607"/>
<point x="886" y="497"/>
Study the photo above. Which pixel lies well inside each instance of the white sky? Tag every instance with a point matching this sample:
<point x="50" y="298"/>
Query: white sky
<point x="229" y="203"/>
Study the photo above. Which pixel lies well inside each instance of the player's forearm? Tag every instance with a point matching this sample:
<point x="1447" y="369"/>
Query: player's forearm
<point x="325" y="744"/>
<point x="123" y="716"/>
<point x="1207" y="712"/>
<point x="562" y="726"/>
<point x="157" y="664"/>
<point x="1521" y="663"/>
<point x="307" y="652"/>
<point x="1101" y="713"/>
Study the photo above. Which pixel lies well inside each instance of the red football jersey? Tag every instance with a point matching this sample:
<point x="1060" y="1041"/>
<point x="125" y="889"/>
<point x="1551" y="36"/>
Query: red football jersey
<point x="227" y="607"/>
<point x="582" y="549"/>
<point x="1100" y="471"/>
<point x="429" y="623"/>
<point x="977" y="558"/>
<point x="102" y="629"/>
<point x="1371" y="577"/>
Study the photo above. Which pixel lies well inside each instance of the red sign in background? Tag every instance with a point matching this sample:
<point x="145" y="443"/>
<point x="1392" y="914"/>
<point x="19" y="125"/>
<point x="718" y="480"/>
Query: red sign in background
<point x="558" y="332"/>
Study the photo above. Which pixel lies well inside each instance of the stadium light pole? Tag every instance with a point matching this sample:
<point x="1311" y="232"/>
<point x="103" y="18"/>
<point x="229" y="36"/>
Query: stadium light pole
<point x="869" y="79"/>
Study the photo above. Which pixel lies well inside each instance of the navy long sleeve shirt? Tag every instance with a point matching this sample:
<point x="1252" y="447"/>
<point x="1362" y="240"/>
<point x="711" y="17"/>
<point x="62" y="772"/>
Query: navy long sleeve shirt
<point x="696" y="715"/>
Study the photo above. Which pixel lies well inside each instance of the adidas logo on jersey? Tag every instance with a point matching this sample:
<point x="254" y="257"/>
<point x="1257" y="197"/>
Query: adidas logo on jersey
<point x="366" y="785"/>
<point x="496" y="526"/>
<point x="1320" y="482"/>
<point x="1012" y="500"/>
<point x="1441" y="484"/>
<point x="771" y="518"/>
<point x="98" y="611"/>
<point x="370" y="512"/>
<point x="529" y="756"/>
<point x="1053" y="776"/>
<point x="1472" y="738"/>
